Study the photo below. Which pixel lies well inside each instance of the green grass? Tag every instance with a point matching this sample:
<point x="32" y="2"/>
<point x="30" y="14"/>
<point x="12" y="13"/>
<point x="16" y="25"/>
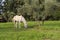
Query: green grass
<point x="49" y="31"/>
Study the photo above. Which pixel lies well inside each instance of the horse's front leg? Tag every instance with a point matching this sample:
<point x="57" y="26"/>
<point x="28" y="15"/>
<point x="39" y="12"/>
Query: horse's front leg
<point x="19" y="24"/>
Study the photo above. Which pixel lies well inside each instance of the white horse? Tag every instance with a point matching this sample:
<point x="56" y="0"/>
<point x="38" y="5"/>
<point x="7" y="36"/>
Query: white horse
<point x="18" y="19"/>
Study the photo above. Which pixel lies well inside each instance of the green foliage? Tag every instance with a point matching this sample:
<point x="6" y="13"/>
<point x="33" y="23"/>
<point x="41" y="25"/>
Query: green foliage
<point x="35" y="9"/>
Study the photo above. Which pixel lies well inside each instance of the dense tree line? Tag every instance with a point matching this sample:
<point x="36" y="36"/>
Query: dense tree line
<point x="31" y="9"/>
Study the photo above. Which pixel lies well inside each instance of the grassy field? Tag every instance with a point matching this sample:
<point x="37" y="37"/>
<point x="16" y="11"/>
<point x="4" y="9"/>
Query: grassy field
<point x="49" y="31"/>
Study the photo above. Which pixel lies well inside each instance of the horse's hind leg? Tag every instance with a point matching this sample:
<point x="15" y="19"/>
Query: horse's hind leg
<point x="16" y="24"/>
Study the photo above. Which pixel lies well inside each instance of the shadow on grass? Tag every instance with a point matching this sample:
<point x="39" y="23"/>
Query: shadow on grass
<point x="13" y="29"/>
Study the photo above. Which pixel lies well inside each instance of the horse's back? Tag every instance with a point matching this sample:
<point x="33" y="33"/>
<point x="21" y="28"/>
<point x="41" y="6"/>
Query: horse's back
<point x="17" y="18"/>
